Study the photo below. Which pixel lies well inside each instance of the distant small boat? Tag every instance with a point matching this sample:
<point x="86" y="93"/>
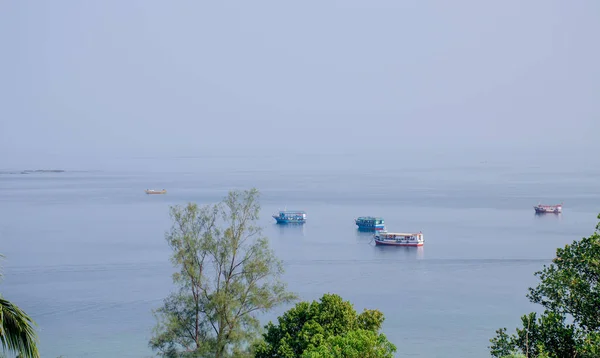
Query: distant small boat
<point x="152" y="191"/>
<point x="290" y="217"/>
<point x="399" y="239"/>
<point x="369" y="223"/>
<point x="543" y="209"/>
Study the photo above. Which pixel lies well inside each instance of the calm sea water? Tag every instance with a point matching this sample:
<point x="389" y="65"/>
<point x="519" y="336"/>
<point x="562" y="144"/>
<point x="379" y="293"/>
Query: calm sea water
<point x="86" y="255"/>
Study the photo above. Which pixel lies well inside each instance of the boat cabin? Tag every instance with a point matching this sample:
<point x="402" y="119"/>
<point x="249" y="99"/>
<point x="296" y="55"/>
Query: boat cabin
<point x="292" y="213"/>
<point x="369" y="221"/>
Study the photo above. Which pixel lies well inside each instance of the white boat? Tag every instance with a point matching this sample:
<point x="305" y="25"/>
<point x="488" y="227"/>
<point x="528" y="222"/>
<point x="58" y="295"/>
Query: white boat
<point x="542" y="209"/>
<point x="152" y="191"/>
<point x="399" y="238"/>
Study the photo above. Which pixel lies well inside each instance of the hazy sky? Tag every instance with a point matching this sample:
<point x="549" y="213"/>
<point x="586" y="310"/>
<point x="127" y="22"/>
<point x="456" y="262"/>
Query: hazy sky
<point x="171" y="78"/>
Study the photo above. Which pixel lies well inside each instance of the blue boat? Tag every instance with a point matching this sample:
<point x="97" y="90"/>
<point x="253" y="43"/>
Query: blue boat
<point x="290" y="217"/>
<point x="369" y="223"/>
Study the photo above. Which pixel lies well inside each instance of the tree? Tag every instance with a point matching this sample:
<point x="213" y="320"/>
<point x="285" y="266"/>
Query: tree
<point x="359" y="343"/>
<point x="227" y="274"/>
<point x="329" y="328"/>
<point x="569" y="291"/>
<point x="17" y="333"/>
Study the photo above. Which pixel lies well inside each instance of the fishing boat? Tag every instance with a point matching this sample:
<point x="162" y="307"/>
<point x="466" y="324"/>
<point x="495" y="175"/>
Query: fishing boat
<point x="290" y="217"/>
<point x="398" y="238"/>
<point x="369" y="223"/>
<point x="543" y="209"/>
<point x="152" y="191"/>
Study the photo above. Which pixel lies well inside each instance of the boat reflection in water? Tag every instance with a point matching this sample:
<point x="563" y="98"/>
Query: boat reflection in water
<point x="545" y="216"/>
<point x="364" y="234"/>
<point x="399" y="252"/>
<point x="291" y="229"/>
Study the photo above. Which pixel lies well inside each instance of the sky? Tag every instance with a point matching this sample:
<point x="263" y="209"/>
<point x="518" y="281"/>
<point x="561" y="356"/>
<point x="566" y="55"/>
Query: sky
<point x="83" y="80"/>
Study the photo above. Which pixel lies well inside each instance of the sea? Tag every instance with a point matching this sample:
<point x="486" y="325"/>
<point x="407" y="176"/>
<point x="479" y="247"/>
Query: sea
<point x="86" y="256"/>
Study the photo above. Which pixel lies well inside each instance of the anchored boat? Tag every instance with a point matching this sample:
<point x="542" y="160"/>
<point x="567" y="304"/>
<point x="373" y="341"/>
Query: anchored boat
<point x="152" y="191"/>
<point x="399" y="239"/>
<point x="290" y="217"/>
<point x="542" y="209"/>
<point x="369" y="223"/>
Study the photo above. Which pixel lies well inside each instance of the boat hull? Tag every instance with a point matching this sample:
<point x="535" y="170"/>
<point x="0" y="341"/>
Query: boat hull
<point x="154" y="192"/>
<point x="376" y="227"/>
<point x="392" y="243"/>
<point x="288" y="221"/>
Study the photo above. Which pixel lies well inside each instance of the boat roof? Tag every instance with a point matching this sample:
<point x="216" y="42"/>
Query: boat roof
<point x="369" y="218"/>
<point x="293" y="211"/>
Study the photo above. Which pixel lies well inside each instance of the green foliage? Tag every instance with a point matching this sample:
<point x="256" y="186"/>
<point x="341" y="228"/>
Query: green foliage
<point x="502" y="345"/>
<point x="17" y="333"/>
<point x="329" y="328"/>
<point x="547" y="335"/>
<point x="514" y="355"/>
<point x="569" y="291"/>
<point x="590" y="345"/>
<point x="569" y="286"/>
<point x="359" y="343"/>
<point x="227" y="274"/>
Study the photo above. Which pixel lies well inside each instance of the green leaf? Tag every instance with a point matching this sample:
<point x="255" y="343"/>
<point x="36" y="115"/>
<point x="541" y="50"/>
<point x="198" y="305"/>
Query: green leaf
<point x="569" y="293"/>
<point x="226" y="275"/>
<point x="328" y="328"/>
<point x="17" y="333"/>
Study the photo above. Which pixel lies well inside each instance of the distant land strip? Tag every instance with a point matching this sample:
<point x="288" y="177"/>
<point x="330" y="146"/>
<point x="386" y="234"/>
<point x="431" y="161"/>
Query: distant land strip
<point x="33" y="171"/>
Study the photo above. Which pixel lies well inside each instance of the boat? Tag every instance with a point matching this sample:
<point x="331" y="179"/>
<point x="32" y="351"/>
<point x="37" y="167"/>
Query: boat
<point x="542" y="209"/>
<point x="369" y="223"/>
<point x="290" y="217"/>
<point x="152" y="191"/>
<point x="398" y="238"/>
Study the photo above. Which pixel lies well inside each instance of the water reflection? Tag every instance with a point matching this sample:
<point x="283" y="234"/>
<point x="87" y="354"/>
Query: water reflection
<point x="364" y="233"/>
<point x="366" y="230"/>
<point x="291" y="228"/>
<point x="385" y="251"/>
<point x="548" y="216"/>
